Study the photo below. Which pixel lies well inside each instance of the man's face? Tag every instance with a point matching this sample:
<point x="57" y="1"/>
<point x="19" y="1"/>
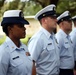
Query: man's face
<point x="68" y="25"/>
<point x="52" y="22"/>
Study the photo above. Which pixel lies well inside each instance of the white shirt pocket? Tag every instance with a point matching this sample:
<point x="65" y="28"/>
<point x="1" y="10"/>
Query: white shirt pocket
<point x="50" y="46"/>
<point x="66" y="45"/>
<point x="16" y="61"/>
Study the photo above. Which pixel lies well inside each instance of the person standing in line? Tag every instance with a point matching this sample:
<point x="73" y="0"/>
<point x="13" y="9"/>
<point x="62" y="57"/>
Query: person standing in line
<point x="43" y="46"/>
<point x="73" y="38"/>
<point x="65" y="43"/>
<point x="14" y="56"/>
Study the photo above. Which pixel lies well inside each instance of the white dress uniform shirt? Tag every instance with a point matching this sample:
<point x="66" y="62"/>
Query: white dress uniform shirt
<point x="73" y="38"/>
<point x="66" y="50"/>
<point x="44" y="50"/>
<point x="14" y="60"/>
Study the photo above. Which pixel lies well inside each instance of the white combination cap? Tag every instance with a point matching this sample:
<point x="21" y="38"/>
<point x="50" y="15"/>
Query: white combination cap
<point x="14" y="16"/>
<point x="74" y="18"/>
<point x="65" y="16"/>
<point x="47" y="11"/>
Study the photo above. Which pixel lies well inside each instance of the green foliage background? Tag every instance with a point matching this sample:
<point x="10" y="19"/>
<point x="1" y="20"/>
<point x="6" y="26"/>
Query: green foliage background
<point x="31" y="7"/>
<point x="64" y="5"/>
<point x="24" y="40"/>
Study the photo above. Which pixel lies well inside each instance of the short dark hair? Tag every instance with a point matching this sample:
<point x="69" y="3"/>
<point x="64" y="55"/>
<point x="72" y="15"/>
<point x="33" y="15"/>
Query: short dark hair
<point x="5" y="28"/>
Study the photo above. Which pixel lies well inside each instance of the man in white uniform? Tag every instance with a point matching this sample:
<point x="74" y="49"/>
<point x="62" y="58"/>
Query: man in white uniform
<point x="43" y="46"/>
<point x="73" y="38"/>
<point x="65" y="43"/>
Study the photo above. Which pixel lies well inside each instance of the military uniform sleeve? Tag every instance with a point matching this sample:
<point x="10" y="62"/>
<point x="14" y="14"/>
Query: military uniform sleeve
<point x="73" y="38"/>
<point x="74" y="44"/>
<point x="35" y="48"/>
<point x="4" y="62"/>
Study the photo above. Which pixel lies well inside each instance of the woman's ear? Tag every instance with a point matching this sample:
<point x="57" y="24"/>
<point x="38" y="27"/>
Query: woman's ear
<point x="9" y="28"/>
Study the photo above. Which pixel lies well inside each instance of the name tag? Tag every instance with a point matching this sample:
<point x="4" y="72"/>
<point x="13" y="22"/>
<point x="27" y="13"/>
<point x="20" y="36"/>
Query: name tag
<point x="66" y="45"/>
<point x="50" y="46"/>
<point x="49" y="43"/>
<point x="15" y="57"/>
<point x="66" y="42"/>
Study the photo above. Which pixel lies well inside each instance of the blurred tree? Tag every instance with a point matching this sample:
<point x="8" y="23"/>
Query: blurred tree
<point x="21" y="5"/>
<point x="44" y="3"/>
<point x="64" y="5"/>
<point x="33" y="6"/>
<point x="14" y="4"/>
<point x="1" y="3"/>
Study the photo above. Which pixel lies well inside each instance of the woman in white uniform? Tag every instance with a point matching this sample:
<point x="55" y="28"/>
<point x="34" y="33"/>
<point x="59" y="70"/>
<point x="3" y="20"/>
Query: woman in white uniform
<point x="14" y="56"/>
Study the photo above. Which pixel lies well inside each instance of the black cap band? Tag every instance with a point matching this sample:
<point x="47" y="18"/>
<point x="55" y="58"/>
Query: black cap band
<point x="67" y="18"/>
<point x="48" y="13"/>
<point x="15" y="20"/>
<point x="74" y="19"/>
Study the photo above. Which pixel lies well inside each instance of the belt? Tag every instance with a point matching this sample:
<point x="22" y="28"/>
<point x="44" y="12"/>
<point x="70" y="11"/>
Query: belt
<point x="66" y="72"/>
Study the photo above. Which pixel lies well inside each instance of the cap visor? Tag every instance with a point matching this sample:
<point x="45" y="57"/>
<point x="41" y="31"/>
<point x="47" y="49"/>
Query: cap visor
<point x="23" y="21"/>
<point x="14" y="20"/>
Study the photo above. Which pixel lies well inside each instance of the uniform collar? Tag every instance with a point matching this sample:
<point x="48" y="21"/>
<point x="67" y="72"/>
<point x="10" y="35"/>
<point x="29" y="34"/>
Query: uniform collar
<point x="48" y="35"/>
<point x="12" y="46"/>
<point x="74" y="29"/>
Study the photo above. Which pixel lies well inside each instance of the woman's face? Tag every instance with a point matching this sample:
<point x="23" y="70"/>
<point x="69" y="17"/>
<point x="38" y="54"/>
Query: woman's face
<point x="18" y="31"/>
